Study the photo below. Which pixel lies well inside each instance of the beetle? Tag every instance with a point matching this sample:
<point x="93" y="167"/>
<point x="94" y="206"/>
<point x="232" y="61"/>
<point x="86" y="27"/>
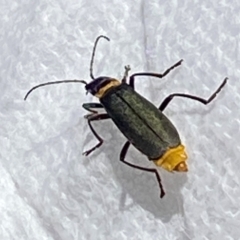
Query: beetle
<point x="143" y="124"/>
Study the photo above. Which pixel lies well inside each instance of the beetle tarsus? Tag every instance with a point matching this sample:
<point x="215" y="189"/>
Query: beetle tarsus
<point x="127" y="69"/>
<point x="162" y="194"/>
<point x="86" y="153"/>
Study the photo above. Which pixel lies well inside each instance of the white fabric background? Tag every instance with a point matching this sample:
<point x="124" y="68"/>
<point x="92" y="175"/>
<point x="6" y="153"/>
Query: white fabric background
<point x="48" y="189"/>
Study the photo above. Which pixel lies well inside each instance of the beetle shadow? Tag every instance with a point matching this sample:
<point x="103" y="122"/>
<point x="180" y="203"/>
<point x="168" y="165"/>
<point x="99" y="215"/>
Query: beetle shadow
<point x="140" y="187"/>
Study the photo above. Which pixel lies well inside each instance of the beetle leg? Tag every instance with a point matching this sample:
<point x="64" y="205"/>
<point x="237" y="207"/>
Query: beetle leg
<point x="168" y="99"/>
<point x="158" y="75"/>
<point x="95" y="117"/>
<point x="122" y="159"/>
<point x="89" y="107"/>
<point x="127" y="69"/>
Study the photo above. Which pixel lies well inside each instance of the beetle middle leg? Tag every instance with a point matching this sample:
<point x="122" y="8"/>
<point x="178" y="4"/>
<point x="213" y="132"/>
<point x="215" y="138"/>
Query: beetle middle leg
<point x="158" y="75"/>
<point x="168" y="99"/>
<point x="122" y="159"/>
<point x="95" y="117"/>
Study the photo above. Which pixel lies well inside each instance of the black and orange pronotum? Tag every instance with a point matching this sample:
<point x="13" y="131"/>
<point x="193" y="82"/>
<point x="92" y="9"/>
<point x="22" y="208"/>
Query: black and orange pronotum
<point x="143" y="124"/>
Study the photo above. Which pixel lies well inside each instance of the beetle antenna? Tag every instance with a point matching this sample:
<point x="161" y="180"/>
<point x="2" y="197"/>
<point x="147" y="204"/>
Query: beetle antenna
<point x="56" y="82"/>
<point x="93" y="53"/>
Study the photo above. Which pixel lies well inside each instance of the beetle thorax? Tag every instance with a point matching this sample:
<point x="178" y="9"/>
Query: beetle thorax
<point x="99" y="86"/>
<point x="104" y="89"/>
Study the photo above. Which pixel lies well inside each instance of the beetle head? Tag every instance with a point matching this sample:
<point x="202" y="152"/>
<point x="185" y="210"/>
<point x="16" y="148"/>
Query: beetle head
<point x="100" y="85"/>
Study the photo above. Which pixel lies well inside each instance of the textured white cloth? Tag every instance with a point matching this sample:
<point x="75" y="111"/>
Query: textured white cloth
<point x="48" y="189"/>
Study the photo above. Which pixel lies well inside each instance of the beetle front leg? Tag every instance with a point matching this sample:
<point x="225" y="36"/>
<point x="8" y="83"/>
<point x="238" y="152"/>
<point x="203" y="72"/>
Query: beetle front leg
<point x="127" y="69"/>
<point x="89" y="107"/>
<point x="158" y="75"/>
<point x="91" y="118"/>
<point x="168" y="99"/>
<point x="122" y="159"/>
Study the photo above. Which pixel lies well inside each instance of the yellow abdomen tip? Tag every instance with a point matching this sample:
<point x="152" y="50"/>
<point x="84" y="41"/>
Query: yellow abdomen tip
<point x="174" y="159"/>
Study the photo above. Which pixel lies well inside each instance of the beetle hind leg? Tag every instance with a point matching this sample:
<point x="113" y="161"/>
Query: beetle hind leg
<point x="122" y="159"/>
<point x="157" y="75"/>
<point x="168" y="99"/>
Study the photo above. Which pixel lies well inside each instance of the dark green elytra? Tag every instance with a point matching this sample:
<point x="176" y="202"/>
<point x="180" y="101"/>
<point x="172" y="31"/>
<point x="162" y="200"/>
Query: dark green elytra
<point x="145" y="126"/>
